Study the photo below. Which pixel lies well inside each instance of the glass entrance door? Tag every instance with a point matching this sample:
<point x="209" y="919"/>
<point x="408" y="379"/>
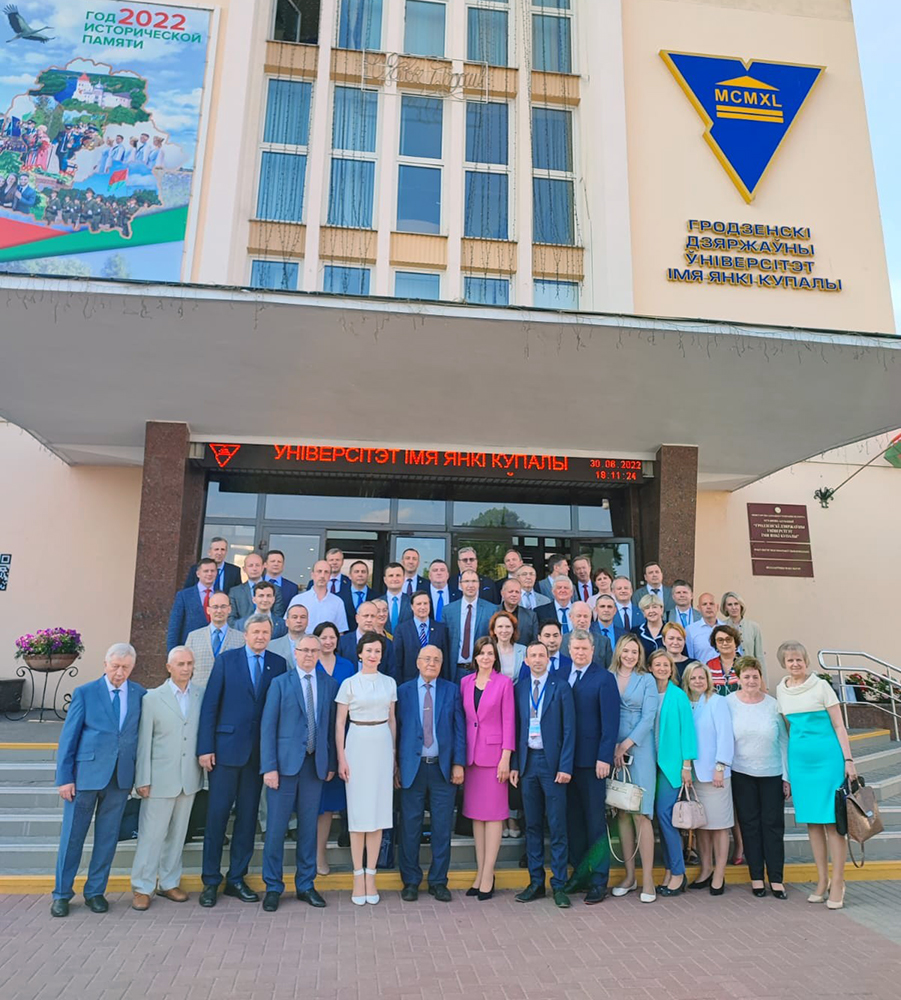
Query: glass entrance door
<point x="429" y="547"/>
<point x="301" y="552"/>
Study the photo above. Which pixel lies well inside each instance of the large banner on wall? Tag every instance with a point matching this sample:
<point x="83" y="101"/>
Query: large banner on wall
<point x="99" y="127"/>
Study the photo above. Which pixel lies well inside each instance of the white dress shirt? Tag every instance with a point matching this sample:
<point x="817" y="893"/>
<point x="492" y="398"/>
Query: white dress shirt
<point x="535" y="742"/>
<point x="182" y="697"/>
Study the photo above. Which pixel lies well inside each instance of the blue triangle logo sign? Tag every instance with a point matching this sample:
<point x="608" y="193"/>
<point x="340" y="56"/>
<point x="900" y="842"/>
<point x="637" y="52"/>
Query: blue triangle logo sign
<point x="748" y="108"/>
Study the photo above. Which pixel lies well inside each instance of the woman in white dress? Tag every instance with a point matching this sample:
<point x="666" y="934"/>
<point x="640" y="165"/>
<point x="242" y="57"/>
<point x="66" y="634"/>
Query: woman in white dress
<point x="366" y="759"/>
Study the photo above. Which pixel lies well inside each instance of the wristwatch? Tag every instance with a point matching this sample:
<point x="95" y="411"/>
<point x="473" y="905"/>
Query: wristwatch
<point x="720" y="767"/>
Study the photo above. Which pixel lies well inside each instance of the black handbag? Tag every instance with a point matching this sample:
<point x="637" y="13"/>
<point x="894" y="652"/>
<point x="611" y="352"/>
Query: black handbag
<point x="386" y="851"/>
<point x="128" y="825"/>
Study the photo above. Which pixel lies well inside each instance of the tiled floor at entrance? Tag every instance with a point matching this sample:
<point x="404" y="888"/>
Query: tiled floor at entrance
<point x="684" y="949"/>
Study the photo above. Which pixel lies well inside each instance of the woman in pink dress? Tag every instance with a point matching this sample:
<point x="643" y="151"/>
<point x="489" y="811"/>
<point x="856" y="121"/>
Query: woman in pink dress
<point x="490" y="740"/>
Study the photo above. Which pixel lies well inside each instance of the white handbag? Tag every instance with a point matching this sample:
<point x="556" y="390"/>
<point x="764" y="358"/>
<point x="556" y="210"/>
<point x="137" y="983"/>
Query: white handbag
<point x="622" y="794"/>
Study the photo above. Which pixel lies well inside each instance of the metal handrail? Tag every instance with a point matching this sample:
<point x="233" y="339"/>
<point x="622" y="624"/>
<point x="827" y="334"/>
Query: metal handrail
<point x="888" y="669"/>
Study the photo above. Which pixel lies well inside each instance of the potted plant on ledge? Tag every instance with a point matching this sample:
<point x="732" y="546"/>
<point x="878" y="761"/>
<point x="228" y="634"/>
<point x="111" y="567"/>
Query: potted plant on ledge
<point x="49" y="649"/>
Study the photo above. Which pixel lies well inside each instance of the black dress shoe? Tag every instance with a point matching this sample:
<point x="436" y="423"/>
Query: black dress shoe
<point x="718" y="892"/>
<point x="59" y="908"/>
<point x="209" y="896"/>
<point x="779" y="893"/>
<point x="703" y="884"/>
<point x="271" y="901"/>
<point x="759" y="892"/>
<point x="409" y="893"/>
<point x="535" y="890"/>
<point x="596" y="894"/>
<point x="440" y="892"/>
<point x="664" y="890"/>
<point x="482" y="896"/>
<point x="472" y="891"/>
<point x="575" y="885"/>
<point x="312" y="897"/>
<point x="96" y="904"/>
<point x="241" y="890"/>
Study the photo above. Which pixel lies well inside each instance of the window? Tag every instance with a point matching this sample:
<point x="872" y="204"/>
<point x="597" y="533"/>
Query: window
<point x="486" y="205"/>
<point x="296" y="21"/>
<point x="418" y="199"/>
<point x="288" y="113"/>
<point x="355" y="119"/>
<point x="352" y="183"/>
<point x="487" y="132"/>
<point x="486" y="36"/>
<point x="280" y="197"/>
<point x="360" y="24"/>
<point x="551" y="42"/>
<point x="559" y="4"/>
<point x="346" y="280"/>
<point x="556" y="294"/>
<point x="416" y="285"/>
<point x="487" y="291"/>
<point x="553" y="211"/>
<point x="424" y="28"/>
<point x="552" y="139"/>
<point x="283" y="170"/>
<point x="420" y="127"/>
<point x="279" y="275"/>
<point x="350" y="193"/>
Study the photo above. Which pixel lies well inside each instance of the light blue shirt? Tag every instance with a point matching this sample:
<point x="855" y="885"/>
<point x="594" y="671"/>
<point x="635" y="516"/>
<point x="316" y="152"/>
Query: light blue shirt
<point x="251" y="662"/>
<point x="123" y="699"/>
<point x="202" y="588"/>
<point x="420" y="687"/>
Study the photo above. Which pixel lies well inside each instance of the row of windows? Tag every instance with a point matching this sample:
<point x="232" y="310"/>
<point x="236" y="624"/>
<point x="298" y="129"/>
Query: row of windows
<point x="425" y="29"/>
<point x="280" y="275"/>
<point x="419" y="186"/>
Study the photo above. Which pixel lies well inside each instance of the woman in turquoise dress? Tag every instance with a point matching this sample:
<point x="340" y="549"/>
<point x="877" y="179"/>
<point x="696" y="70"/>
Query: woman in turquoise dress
<point x="333" y="797"/>
<point x="819" y="759"/>
<point x="635" y="740"/>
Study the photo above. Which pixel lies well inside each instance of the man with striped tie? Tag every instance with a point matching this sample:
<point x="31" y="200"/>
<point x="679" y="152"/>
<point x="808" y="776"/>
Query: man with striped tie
<point x="218" y="637"/>
<point x="415" y="634"/>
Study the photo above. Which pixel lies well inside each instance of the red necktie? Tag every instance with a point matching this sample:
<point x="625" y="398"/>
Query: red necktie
<point x="334" y="586"/>
<point x="466" y="651"/>
<point x="206" y="603"/>
<point x="584" y="591"/>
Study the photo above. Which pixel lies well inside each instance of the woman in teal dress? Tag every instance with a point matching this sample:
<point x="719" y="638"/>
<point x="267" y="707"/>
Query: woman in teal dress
<point x="819" y="759"/>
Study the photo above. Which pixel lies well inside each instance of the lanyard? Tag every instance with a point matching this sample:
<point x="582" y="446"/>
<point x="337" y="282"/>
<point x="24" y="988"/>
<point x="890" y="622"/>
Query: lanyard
<point x="536" y="704"/>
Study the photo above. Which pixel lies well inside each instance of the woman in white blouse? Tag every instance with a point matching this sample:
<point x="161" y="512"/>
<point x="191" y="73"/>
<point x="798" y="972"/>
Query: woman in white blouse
<point x="759" y="776"/>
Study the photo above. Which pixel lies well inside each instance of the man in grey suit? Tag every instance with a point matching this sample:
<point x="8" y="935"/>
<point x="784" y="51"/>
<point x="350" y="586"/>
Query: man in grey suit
<point x="682" y="612"/>
<point x="653" y="584"/>
<point x="297" y="754"/>
<point x="466" y="620"/>
<point x="532" y="597"/>
<point x="557" y="566"/>
<point x="167" y="777"/>
<point x="296" y="621"/>
<point x="208" y="642"/>
<point x="241" y="597"/>
<point x="95" y="771"/>
<point x="581" y="616"/>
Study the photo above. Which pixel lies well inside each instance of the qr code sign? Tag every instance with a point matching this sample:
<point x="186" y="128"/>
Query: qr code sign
<point x="5" y="562"/>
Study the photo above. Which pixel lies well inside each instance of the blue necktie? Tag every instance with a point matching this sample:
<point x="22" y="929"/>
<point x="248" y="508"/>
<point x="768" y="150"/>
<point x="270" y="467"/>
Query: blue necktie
<point x="217" y="641"/>
<point x="564" y="624"/>
<point x="257" y="671"/>
<point x="439" y="607"/>
<point x="684" y="615"/>
<point x="626" y="624"/>
<point x="220" y="577"/>
<point x="394" y="613"/>
<point x="423" y="634"/>
<point x="117" y="702"/>
<point x="358" y="599"/>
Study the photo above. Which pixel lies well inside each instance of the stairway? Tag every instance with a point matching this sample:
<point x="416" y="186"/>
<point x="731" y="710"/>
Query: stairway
<point x="31" y="814"/>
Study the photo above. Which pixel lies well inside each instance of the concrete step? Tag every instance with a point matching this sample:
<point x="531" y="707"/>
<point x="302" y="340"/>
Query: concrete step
<point x="27" y="772"/>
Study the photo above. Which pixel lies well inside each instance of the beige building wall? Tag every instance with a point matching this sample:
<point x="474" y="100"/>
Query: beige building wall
<point x="72" y="532"/>
<point x="855" y="548"/>
<point x="821" y="177"/>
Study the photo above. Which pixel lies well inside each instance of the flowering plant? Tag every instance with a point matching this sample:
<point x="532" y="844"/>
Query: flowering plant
<point x="875" y="690"/>
<point x="47" y="641"/>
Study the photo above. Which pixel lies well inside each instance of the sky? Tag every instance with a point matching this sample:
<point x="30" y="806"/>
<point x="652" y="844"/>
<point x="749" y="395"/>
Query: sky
<point x="878" y="25"/>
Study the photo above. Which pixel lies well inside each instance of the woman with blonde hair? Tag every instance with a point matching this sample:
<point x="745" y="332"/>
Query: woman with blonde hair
<point x="819" y="760"/>
<point x="713" y="775"/>
<point x="732" y="609"/>
<point x="635" y="750"/>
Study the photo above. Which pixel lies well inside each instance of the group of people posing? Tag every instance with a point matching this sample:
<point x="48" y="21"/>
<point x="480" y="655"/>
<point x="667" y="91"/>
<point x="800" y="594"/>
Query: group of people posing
<point x="530" y="711"/>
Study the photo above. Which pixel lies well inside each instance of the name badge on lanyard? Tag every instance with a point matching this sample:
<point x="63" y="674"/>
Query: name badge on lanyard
<point x="535" y="720"/>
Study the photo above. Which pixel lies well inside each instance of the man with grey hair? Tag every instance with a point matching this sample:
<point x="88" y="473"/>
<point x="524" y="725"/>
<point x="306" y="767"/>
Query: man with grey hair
<point x="228" y="749"/>
<point x="167" y="777"/>
<point x="95" y="771"/>
<point x="582" y="619"/>
<point x="558" y="610"/>
<point x="532" y="598"/>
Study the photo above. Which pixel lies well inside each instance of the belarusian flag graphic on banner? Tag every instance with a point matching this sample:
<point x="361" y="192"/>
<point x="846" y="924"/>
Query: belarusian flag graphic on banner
<point x="117" y="181"/>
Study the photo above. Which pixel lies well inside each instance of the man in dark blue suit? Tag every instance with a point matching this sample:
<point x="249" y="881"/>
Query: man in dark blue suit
<point x="439" y="589"/>
<point x="413" y="582"/>
<point x="95" y="772"/>
<point x="543" y="764"/>
<point x="263" y="603"/>
<point x="367" y="621"/>
<point x="297" y="754"/>
<point x="395" y="597"/>
<point x="227" y="574"/>
<point x="274" y="568"/>
<point x="550" y="636"/>
<point x="415" y="633"/>
<point x="607" y="624"/>
<point x="526" y="620"/>
<point x="228" y="748"/>
<point x="596" y="702"/>
<point x="431" y="754"/>
<point x="581" y="617"/>
<point x="189" y="610"/>
<point x="466" y="560"/>
<point x="359" y="591"/>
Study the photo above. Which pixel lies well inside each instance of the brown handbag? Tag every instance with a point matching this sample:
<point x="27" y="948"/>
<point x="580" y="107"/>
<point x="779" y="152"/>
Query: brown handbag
<point x="863" y="819"/>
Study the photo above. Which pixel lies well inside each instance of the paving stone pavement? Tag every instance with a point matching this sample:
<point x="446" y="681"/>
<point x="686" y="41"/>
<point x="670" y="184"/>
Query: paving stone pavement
<point x="690" y="948"/>
<point x="876" y="905"/>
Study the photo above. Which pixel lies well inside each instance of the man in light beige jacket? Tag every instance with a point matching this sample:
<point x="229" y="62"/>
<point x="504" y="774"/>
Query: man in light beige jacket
<point x="167" y="777"/>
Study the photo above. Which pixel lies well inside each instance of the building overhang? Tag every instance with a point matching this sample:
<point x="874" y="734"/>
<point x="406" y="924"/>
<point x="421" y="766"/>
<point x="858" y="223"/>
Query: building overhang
<point x="87" y="363"/>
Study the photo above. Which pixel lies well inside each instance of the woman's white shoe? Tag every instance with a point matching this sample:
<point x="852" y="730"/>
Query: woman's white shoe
<point x="371" y="899"/>
<point x="624" y="890"/>
<point x="647" y="897"/>
<point x="358" y="900"/>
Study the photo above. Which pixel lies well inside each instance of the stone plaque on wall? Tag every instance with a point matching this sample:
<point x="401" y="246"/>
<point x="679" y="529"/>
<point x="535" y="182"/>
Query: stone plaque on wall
<point x="780" y="540"/>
